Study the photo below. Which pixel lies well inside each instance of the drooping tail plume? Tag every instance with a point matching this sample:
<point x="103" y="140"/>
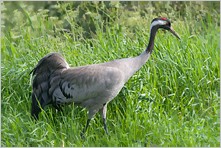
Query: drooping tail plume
<point x="47" y="69"/>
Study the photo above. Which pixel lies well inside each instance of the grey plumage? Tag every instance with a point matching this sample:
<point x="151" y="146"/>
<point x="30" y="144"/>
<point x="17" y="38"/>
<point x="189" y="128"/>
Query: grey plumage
<point x="45" y="74"/>
<point x="90" y="86"/>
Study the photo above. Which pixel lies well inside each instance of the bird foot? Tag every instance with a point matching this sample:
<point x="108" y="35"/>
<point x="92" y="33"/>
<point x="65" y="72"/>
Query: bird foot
<point x="107" y="133"/>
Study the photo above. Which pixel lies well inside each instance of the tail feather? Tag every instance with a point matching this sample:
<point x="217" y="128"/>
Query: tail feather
<point x="48" y="68"/>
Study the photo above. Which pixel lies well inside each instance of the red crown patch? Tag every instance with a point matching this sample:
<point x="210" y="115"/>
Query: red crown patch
<point x="163" y="18"/>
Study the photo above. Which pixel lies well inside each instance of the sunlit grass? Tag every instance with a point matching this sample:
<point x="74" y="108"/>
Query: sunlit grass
<point x="172" y="101"/>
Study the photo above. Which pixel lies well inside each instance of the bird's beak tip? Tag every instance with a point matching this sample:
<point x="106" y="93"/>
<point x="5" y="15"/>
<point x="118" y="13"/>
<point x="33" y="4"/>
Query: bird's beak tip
<point x="174" y="33"/>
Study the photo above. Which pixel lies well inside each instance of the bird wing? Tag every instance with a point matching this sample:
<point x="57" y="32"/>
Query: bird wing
<point x="86" y="82"/>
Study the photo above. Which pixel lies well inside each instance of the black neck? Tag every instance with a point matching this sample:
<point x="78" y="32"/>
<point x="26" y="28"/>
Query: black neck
<point x="151" y="40"/>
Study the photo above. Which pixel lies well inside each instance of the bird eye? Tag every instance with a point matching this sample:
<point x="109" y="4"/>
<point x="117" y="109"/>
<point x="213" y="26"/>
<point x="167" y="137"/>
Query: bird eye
<point x="168" y="24"/>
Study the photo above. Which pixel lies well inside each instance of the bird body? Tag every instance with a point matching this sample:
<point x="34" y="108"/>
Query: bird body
<point x="91" y="86"/>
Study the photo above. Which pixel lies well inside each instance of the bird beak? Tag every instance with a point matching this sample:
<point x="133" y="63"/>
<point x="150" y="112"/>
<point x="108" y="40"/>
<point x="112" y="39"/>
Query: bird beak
<point x="174" y="33"/>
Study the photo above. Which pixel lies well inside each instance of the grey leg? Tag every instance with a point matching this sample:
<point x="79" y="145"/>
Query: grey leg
<point x="105" y="126"/>
<point x="85" y="128"/>
<point x="91" y="113"/>
<point x="103" y="112"/>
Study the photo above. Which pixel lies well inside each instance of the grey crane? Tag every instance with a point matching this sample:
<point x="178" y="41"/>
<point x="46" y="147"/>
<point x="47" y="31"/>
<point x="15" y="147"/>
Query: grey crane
<point x="91" y="86"/>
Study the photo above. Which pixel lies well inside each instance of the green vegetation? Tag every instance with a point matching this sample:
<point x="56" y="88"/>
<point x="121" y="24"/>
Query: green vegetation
<point x="172" y="101"/>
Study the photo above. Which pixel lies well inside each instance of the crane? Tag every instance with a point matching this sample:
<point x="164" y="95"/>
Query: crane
<point x="90" y="86"/>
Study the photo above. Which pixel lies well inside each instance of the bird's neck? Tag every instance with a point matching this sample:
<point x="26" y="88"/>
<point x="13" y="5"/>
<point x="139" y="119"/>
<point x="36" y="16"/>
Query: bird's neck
<point x="150" y="46"/>
<point x="144" y="56"/>
<point x="137" y="62"/>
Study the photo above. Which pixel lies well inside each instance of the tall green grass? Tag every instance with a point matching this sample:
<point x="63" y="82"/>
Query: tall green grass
<point x="172" y="101"/>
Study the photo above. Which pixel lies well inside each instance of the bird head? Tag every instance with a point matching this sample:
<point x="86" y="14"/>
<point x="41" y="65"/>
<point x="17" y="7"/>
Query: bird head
<point x="163" y="23"/>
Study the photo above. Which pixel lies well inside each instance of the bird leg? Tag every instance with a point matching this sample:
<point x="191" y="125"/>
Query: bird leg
<point x="103" y="112"/>
<point x="105" y="126"/>
<point x="91" y="113"/>
<point x="85" y="128"/>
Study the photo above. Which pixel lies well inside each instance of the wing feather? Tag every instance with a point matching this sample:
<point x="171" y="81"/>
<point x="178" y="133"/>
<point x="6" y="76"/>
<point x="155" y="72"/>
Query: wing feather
<point x="83" y="83"/>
